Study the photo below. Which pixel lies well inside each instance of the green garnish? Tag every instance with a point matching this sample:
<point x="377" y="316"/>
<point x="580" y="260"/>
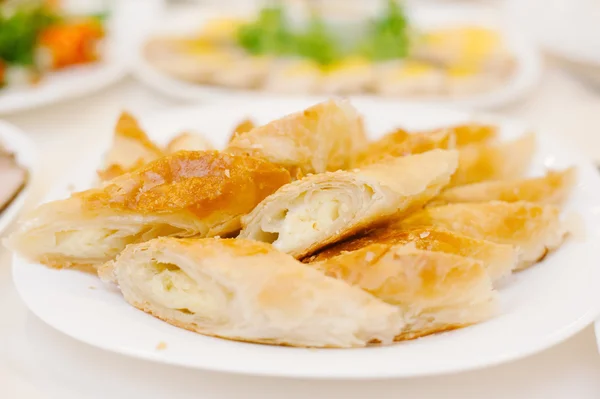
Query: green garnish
<point x="389" y="35"/>
<point x="317" y="44"/>
<point x="387" y="38"/>
<point x="268" y="34"/>
<point x="19" y="32"/>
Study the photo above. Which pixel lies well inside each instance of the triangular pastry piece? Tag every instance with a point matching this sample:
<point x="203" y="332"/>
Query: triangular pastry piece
<point x="324" y="137"/>
<point x="131" y="148"/>
<point x="533" y="229"/>
<point x="436" y="291"/>
<point x="243" y="127"/>
<point x="248" y="291"/>
<point x="473" y="133"/>
<point x="498" y="259"/>
<point x="553" y="188"/>
<point x="485" y="161"/>
<point x="399" y="144"/>
<point x="320" y="209"/>
<point x="189" y="142"/>
<point x="184" y="194"/>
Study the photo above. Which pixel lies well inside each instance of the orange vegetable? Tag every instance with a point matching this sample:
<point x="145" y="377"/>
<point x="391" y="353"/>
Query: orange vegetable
<point x="72" y="43"/>
<point x="2" y="72"/>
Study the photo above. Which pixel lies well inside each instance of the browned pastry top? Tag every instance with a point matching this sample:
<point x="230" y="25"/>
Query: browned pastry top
<point x="198" y="181"/>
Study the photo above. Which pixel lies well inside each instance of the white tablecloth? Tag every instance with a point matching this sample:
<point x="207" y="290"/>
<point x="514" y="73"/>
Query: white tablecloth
<point x="37" y="362"/>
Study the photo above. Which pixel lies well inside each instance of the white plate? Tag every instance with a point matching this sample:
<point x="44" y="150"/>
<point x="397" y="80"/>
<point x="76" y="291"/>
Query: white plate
<point x="69" y="83"/>
<point x="25" y="152"/>
<point x="526" y="75"/>
<point x="541" y="307"/>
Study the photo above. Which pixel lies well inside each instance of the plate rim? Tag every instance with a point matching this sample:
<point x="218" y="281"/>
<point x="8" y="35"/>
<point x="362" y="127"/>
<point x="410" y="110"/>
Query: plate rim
<point x="588" y="315"/>
<point x="25" y="150"/>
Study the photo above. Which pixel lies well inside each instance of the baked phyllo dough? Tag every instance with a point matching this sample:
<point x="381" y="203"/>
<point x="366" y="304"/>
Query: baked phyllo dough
<point x="241" y="128"/>
<point x="131" y="148"/>
<point x="499" y="259"/>
<point x="324" y="208"/>
<point x="436" y="291"/>
<point x="248" y="291"/>
<point x="189" y="142"/>
<point x="184" y="194"/>
<point x="533" y="229"/>
<point x="324" y="137"/>
<point x="554" y="188"/>
<point x="491" y="161"/>
<point x="399" y="144"/>
<point x="473" y="133"/>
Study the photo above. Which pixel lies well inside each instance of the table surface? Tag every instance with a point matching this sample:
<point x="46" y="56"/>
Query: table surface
<point x="37" y="362"/>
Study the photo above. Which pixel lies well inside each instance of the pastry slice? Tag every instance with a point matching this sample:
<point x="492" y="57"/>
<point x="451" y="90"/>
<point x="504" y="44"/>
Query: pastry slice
<point x="503" y="161"/>
<point x="189" y="142"/>
<point x="532" y="228"/>
<point x="435" y="291"/>
<point x="243" y="127"/>
<point x="131" y="148"/>
<point x="248" y="291"/>
<point x="473" y="133"/>
<point x="499" y="259"/>
<point x="184" y="194"/>
<point x="321" y="209"/>
<point x="324" y="137"/>
<point x="399" y="144"/>
<point x="553" y="188"/>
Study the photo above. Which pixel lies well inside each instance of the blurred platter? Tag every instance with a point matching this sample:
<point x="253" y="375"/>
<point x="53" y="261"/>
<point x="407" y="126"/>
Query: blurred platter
<point x="18" y="157"/>
<point x="432" y="74"/>
<point x="70" y="56"/>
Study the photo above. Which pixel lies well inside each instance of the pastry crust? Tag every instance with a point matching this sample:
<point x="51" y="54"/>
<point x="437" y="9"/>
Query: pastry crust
<point x="400" y="143"/>
<point x="321" y="209"/>
<point x="247" y="291"/>
<point x="436" y="291"/>
<point x="243" y="127"/>
<point x="184" y="194"/>
<point x="485" y="161"/>
<point x="324" y="137"/>
<point x="554" y="188"/>
<point x="131" y="148"/>
<point x="189" y="142"/>
<point x="532" y="228"/>
<point x="499" y="259"/>
<point x="473" y="133"/>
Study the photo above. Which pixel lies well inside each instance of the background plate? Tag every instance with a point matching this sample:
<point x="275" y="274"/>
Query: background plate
<point x="24" y="149"/>
<point x="541" y="307"/>
<point x="525" y="78"/>
<point x="76" y="81"/>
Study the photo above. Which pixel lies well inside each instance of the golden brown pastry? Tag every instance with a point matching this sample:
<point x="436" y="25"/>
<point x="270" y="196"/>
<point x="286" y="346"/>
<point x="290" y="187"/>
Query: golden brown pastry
<point x="189" y="142"/>
<point x="320" y="209"/>
<point x="248" y="291"/>
<point x="324" y="137"/>
<point x="184" y="194"/>
<point x="498" y="259"/>
<point x="473" y="133"/>
<point x="436" y="291"/>
<point x="131" y="148"/>
<point x="503" y="161"/>
<point x="532" y="228"/>
<point x="399" y="144"/>
<point x="553" y="188"/>
<point x="243" y="127"/>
